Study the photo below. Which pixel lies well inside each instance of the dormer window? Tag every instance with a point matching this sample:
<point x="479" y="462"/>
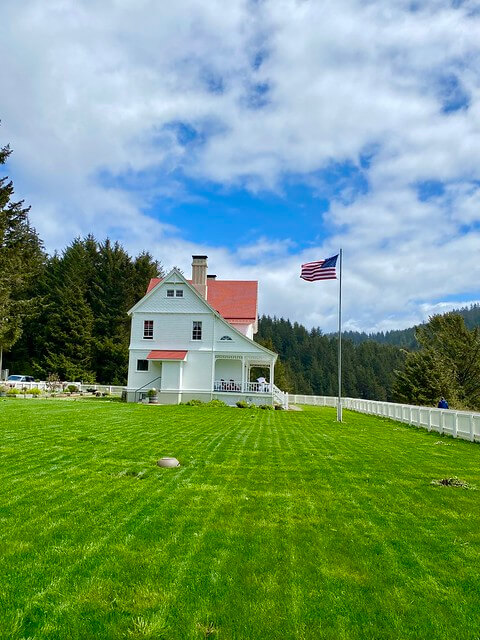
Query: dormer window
<point x="170" y="293"/>
<point x="174" y="293"/>
<point x="148" y="329"/>
<point x="179" y="293"/>
<point x="225" y="338"/>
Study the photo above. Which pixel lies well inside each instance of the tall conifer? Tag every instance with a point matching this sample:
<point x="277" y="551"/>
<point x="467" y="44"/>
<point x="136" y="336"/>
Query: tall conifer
<point x="21" y="259"/>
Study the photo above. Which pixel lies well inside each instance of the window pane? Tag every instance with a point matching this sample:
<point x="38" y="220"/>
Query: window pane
<point x="170" y="293"/>
<point x="148" y="329"/>
<point x="179" y="293"/>
<point x="197" y="330"/>
<point x="142" y="365"/>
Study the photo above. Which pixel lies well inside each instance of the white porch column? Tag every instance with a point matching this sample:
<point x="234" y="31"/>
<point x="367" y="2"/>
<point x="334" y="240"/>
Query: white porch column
<point x="272" y="373"/>
<point x="243" y="374"/>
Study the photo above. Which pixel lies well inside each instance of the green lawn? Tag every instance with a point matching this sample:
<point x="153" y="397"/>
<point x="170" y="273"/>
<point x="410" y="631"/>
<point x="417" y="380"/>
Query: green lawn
<point x="277" y="525"/>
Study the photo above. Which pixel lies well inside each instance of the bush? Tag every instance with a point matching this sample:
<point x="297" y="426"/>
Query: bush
<point x="13" y="392"/>
<point x="268" y="407"/>
<point x="151" y="393"/>
<point x="35" y="391"/>
<point x="53" y="382"/>
<point x="216" y="403"/>
<point x="194" y="403"/>
<point x="241" y="404"/>
<point x="72" y="388"/>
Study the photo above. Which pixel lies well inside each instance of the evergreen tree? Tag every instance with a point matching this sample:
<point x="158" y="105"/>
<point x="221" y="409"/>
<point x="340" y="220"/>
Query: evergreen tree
<point x="448" y="364"/>
<point x="82" y="329"/>
<point x="67" y="339"/>
<point x="424" y="380"/>
<point x="21" y="260"/>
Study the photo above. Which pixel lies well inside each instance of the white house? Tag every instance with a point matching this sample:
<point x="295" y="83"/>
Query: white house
<point x="194" y="339"/>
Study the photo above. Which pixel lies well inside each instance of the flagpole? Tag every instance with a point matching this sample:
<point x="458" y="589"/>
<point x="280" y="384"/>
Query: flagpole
<point x="339" y="403"/>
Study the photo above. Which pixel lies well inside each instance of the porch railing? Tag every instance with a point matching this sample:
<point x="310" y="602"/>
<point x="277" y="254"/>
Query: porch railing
<point x="258" y="387"/>
<point x="236" y="385"/>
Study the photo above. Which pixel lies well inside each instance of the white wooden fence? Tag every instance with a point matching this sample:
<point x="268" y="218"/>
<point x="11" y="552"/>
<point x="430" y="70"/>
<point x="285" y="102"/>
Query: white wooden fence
<point x="459" y="424"/>
<point x="43" y="386"/>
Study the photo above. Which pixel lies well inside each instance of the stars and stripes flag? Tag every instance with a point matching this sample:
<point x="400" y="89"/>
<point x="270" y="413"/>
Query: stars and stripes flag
<point x="320" y="270"/>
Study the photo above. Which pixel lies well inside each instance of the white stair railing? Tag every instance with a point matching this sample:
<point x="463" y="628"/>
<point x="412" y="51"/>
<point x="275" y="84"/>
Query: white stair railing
<point x="280" y="397"/>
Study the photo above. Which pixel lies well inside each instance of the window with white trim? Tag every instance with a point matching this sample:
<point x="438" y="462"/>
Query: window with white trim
<point x="142" y="365"/>
<point x="174" y="293"/>
<point x="148" y="329"/>
<point x="197" y="330"/>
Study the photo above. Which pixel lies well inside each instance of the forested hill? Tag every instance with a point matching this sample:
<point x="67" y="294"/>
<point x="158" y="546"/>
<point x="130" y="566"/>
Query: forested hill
<point x="405" y="338"/>
<point x="308" y="361"/>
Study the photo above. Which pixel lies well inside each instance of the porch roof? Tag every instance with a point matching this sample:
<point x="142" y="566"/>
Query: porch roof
<point x="167" y="355"/>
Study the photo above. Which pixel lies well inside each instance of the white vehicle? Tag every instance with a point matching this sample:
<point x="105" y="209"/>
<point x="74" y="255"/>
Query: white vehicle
<point x="20" y="378"/>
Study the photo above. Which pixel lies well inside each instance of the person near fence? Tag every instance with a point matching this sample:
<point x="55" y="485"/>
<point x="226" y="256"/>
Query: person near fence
<point x="443" y="404"/>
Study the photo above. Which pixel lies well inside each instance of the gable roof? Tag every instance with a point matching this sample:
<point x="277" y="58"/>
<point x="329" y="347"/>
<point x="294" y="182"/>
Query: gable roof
<point x="234" y="300"/>
<point x="175" y="273"/>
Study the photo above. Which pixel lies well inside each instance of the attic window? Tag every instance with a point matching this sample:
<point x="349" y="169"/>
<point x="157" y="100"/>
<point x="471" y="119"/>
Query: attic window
<point x="174" y="293"/>
<point x="170" y="293"/>
<point x="179" y="293"/>
<point x="225" y="338"/>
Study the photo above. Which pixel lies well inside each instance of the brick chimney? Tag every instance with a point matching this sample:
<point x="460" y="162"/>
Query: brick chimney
<point x="199" y="274"/>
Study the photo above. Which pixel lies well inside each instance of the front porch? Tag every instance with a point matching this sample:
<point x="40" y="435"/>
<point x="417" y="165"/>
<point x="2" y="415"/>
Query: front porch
<point x="233" y="373"/>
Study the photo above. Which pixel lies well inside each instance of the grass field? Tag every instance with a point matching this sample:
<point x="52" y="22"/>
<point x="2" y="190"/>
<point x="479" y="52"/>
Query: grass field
<point x="277" y="525"/>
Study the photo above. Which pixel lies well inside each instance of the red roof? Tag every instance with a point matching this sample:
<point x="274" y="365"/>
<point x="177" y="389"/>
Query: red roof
<point x="153" y="283"/>
<point x="235" y="300"/>
<point x="167" y="355"/>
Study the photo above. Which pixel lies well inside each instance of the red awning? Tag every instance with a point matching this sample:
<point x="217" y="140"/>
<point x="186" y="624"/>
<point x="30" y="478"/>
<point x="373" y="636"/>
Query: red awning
<point x="167" y="355"/>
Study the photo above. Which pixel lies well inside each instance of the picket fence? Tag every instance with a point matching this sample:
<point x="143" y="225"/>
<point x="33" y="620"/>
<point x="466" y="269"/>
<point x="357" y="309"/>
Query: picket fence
<point x="459" y="424"/>
<point x="85" y="388"/>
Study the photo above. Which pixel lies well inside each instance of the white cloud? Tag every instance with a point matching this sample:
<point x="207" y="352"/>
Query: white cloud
<point x="88" y="89"/>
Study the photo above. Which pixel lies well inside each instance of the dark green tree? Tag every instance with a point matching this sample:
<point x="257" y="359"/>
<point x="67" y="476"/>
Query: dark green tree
<point x="21" y="261"/>
<point x="424" y="380"/>
<point x="67" y="341"/>
<point x="447" y="364"/>
<point x="82" y="328"/>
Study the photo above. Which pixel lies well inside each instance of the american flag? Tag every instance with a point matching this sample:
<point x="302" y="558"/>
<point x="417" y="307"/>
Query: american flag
<point x="320" y="270"/>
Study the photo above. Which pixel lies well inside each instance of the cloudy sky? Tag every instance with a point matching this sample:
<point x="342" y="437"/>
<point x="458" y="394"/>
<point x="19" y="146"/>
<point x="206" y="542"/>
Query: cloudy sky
<point x="264" y="133"/>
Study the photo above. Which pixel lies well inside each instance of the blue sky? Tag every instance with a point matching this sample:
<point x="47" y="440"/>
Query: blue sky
<point x="264" y="134"/>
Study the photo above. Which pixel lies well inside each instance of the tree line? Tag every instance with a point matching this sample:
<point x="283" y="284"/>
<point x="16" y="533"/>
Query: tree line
<point x="308" y="361"/>
<point x="78" y="326"/>
<point x="406" y="338"/>
<point x="445" y="361"/>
